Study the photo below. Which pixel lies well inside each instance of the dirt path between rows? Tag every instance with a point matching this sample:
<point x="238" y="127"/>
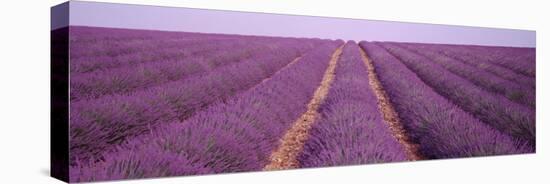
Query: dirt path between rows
<point x="388" y="112"/>
<point x="292" y="143"/>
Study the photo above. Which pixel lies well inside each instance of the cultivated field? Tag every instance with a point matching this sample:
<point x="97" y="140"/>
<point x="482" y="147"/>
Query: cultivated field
<point x="151" y="103"/>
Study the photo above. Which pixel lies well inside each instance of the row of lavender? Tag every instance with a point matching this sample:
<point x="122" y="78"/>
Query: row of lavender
<point x="99" y="124"/>
<point x="442" y="129"/>
<point x="480" y="60"/>
<point x="106" y="59"/>
<point x="514" y="91"/>
<point x="495" y="110"/>
<point x="350" y="129"/>
<point x="519" y="60"/>
<point x="161" y="70"/>
<point x="151" y="104"/>
<point x="90" y="52"/>
<point x="238" y="135"/>
<point x="93" y="41"/>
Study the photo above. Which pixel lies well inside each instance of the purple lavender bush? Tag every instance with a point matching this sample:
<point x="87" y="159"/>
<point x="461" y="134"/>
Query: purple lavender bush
<point x="238" y="135"/>
<point x="487" y="81"/>
<point x="155" y="103"/>
<point x="350" y="129"/>
<point x="92" y="42"/>
<point x="506" y="116"/>
<point x="520" y="60"/>
<point x="91" y="52"/>
<point x="99" y="124"/>
<point x="441" y="129"/>
<point x="143" y="75"/>
<point x="464" y="54"/>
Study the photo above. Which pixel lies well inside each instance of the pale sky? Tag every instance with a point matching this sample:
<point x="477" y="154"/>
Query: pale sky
<point x="265" y="24"/>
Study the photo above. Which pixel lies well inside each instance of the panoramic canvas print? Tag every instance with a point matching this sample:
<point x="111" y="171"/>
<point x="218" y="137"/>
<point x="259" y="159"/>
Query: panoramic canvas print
<point x="147" y="91"/>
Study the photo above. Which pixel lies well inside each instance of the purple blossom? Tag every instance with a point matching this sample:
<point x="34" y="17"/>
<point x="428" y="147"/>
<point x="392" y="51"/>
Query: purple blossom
<point x="485" y="80"/>
<point x="99" y="124"/>
<point x="218" y="139"/>
<point x="442" y="129"/>
<point x="495" y="110"/>
<point x="350" y="129"/>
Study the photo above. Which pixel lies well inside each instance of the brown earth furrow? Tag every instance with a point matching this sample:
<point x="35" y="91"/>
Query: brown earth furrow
<point x="388" y="112"/>
<point x="292" y="143"/>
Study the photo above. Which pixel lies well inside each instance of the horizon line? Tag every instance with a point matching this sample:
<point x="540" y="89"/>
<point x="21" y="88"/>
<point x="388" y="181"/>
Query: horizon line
<point x="183" y="19"/>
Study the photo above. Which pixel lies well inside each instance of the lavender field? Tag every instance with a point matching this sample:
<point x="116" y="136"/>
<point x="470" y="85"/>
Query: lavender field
<point x="152" y="103"/>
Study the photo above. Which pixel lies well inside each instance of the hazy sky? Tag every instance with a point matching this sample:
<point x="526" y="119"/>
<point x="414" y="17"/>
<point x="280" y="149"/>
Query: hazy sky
<point x="232" y="22"/>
